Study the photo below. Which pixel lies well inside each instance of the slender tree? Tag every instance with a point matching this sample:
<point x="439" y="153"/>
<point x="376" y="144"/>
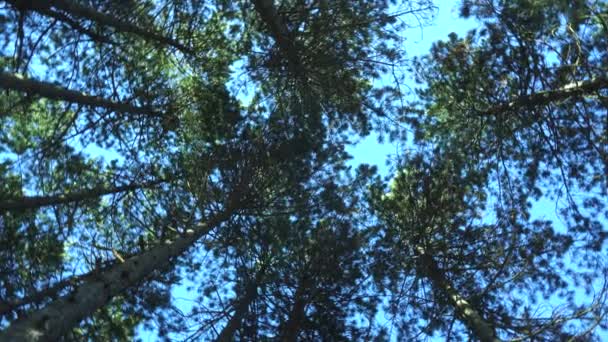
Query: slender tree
<point x="527" y="92"/>
<point x="241" y="307"/>
<point x="450" y="260"/>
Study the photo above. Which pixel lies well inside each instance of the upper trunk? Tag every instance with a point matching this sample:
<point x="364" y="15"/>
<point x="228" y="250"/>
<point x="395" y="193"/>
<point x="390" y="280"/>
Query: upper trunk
<point x="471" y="318"/>
<point x="9" y="304"/>
<point x="279" y="32"/>
<point x="241" y="309"/>
<point x="292" y="327"/>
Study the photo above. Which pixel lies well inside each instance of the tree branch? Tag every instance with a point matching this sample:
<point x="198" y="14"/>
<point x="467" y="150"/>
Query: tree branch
<point x="54" y="92"/>
<point x="31" y="202"/>
<point x="91" y="14"/>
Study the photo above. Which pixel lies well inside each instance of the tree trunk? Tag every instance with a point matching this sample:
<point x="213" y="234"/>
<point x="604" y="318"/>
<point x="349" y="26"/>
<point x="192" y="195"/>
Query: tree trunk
<point x="31" y="202"/>
<point x="54" y="92"/>
<point x="291" y="329"/>
<point x="241" y="309"/>
<point x="51" y="291"/>
<point x="471" y="318"/>
<point x="57" y="318"/>
<point x="78" y="10"/>
<point x="279" y="32"/>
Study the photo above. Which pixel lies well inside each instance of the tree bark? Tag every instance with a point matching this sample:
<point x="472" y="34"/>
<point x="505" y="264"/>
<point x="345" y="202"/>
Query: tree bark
<point x="291" y="329"/>
<point x="78" y="10"/>
<point x="54" y="92"/>
<point x="32" y="202"/>
<point x="549" y="96"/>
<point x="9" y="305"/>
<point x="57" y="318"/>
<point x="52" y="291"/>
<point x="471" y="318"/>
<point x="241" y="309"/>
<point x="279" y="32"/>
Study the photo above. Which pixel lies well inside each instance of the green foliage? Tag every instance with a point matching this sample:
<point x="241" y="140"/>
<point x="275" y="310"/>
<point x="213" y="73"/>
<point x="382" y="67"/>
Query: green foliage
<point x="526" y="93"/>
<point x="438" y="204"/>
<point x="128" y="127"/>
<point x="110" y="323"/>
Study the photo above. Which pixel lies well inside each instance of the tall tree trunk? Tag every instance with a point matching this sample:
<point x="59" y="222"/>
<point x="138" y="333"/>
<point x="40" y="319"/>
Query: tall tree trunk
<point x="57" y="318"/>
<point x="241" y="308"/>
<point x="468" y="315"/>
<point x="31" y="202"/>
<point x="278" y="30"/>
<point x="291" y="328"/>
<point x="54" y="92"/>
<point x="75" y="9"/>
<point x="52" y="291"/>
<point x="281" y="35"/>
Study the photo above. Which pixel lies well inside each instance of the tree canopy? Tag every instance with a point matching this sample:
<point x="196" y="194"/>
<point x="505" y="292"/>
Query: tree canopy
<point x="151" y="150"/>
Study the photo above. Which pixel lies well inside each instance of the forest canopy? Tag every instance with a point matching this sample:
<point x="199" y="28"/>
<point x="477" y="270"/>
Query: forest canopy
<point x="156" y="150"/>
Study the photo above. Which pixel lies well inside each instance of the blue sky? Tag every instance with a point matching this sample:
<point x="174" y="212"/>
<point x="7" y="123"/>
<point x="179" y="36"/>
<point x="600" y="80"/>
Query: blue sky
<point x="418" y="42"/>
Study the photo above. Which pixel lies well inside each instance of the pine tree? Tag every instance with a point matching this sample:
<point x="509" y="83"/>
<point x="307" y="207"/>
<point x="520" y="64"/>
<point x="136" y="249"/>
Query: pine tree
<point x="150" y="145"/>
